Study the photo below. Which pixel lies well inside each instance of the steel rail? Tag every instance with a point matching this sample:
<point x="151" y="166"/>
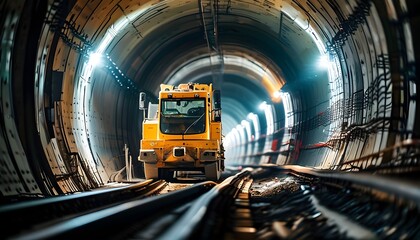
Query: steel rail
<point x="400" y="188"/>
<point x="408" y="190"/>
<point x="109" y="221"/>
<point x="23" y="215"/>
<point x="48" y="202"/>
<point x="190" y="221"/>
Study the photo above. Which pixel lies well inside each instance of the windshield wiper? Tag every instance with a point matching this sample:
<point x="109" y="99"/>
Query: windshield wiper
<point x="192" y="124"/>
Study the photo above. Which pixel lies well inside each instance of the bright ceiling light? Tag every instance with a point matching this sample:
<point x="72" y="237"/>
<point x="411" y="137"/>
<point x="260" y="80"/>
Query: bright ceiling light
<point x="276" y="96"/>
<point x="324" y="62"/>
<point x="263" y="105"/>
<point x="95" y="59"/>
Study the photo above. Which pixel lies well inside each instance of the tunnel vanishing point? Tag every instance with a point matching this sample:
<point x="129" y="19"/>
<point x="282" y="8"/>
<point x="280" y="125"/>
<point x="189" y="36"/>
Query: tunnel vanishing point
<point x="330" y="84"/>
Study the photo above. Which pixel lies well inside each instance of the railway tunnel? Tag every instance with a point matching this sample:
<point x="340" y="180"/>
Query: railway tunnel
<point x="320" y="83"/>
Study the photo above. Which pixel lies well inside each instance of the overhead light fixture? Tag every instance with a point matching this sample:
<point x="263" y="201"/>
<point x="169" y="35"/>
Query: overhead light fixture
<point x="263" y="105"/>
<point x="324" y="62"/>
<point x="276" y="96"/>
<point x="95" y="59"/>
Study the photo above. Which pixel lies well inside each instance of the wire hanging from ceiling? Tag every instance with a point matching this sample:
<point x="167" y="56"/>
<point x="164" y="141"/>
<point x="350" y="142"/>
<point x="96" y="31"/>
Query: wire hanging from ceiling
<point x="210" y="10"/>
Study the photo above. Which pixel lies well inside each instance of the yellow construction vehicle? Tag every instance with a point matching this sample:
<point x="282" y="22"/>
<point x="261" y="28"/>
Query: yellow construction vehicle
<point x="183" y="132"/>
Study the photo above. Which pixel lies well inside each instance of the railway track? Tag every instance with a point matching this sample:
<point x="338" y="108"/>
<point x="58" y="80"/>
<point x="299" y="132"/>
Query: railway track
<point x="205" y="217"/>
<point x="27" y="215"/>
<point x="113" y="221"/>
<point x="257" y="203"/>
<point x="302" y="203"/>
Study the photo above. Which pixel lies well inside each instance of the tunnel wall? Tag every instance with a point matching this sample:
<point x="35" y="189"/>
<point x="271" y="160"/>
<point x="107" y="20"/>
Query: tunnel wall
<point x="367" y="120"/>
<point x="18" y="172"/>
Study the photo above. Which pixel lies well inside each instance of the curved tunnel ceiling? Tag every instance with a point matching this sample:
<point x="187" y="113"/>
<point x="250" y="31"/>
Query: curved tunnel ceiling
<point x="248" y="41"/>
<point x="270" y="51"/>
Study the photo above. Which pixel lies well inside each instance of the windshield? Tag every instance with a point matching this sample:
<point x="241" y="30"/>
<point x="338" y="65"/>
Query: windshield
<point x="182" y="116"/>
